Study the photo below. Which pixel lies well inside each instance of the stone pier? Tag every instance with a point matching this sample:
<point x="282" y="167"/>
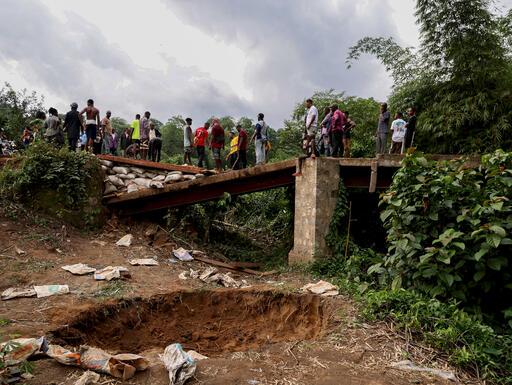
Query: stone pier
<point x="316" y="192"/>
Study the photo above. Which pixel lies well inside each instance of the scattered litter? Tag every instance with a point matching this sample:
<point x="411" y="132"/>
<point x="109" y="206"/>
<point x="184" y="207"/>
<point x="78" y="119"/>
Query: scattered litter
<point x="61" y="355"/>
<point x="19" y="251"/>
<point x="101" y="243"/>
<point x="121" y="366"/>
<point x="182" y="255"/>
<point x="79" y="269"/>
<point x="59" y="250"/>
<point x="408" y="365"/>
<point x="207" y="273"/>
<point x="125" y="241"/>
<point x="49" y="290"/>
<point x="180" y="365"/>
<point x="143" y="262"/>
<point x="183" y="275"/>
<point x="212" y="275"/>
<point x="111" y="272"/>
<point x="196" y="356"/>
<point x="88" y="378"/>
<point x="20" y="349"/>
<point x="322" y="288"/>
<point x="12" y="292"/>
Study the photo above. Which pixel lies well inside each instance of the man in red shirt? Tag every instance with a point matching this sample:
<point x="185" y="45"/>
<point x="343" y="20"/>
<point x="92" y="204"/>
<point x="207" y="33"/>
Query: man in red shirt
<point x="217" y="143"/>
<point x="338" y="121"/>
<point x="243" y="142"/>
<point x="200" y="138"/>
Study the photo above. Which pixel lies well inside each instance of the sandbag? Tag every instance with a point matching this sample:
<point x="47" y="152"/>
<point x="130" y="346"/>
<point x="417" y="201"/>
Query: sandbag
<point x="109" y="188"/>
<point x="133" y="187"/>
<point x="149" y="175"/>
<point x="155" y="184"/>
<point x="137" y="170"/>
<point x="172" y="178"/>
<point x="115" y="181"/>
<point x="107" y="163"/>
<point x="142" y="182"/>
<point x="159" y="178"/>
<point x="121" y="170"/>
<point x="127" y="176"/>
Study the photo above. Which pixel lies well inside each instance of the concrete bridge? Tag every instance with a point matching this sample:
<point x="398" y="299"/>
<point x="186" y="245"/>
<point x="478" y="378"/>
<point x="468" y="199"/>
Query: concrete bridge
<point x="316" y="191"/>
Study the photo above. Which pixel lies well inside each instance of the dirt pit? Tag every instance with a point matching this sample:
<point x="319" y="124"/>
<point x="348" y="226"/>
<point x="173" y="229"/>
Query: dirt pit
<point x="210" y="322"/>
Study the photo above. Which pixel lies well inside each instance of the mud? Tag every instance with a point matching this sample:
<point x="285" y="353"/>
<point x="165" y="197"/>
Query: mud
<point x="210" y="322"/>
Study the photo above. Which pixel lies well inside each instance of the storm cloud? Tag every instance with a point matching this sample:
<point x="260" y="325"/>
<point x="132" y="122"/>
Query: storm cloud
<point x="292" y="48"/>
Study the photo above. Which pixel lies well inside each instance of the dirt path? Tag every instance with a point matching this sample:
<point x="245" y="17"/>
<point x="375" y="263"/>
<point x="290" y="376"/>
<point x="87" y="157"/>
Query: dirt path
<point x="268" y="333"/>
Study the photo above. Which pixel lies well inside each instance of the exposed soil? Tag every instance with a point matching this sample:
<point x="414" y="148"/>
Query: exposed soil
<point x="210" y="322"/>
<point x="268" y="334"/>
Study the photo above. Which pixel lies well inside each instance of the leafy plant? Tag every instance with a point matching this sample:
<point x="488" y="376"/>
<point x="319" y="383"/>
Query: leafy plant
<point x="449" y="230"/>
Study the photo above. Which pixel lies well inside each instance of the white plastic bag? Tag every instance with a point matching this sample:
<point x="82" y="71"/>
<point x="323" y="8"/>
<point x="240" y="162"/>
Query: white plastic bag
<point x="179" y="364"/>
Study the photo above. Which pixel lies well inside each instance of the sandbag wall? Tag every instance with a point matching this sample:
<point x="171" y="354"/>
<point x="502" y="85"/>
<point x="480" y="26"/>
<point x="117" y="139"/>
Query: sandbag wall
<point x="126" y="179"/>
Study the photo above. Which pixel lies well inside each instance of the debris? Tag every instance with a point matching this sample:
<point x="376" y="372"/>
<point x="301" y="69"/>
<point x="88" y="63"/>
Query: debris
<point x="120" y="170"/>
<point x="232" y="267"/>
<point x="196" y="356"/>
<point x="101" y="243"/>
<point x="79" y="269"/>
<point x="322" y="288"/>
<point x="61" y="355"/>
<point x="19" y="251"/>
<point x="182" y="255"/>
<point x="125" y="241"/>
<point x="208" y="273"/>
<point x="111" y="272"/>
<point x="19" y="349"/>
<point x="180" y="365"/>
<point x="49" y="290"/>
<point x="143" y="262"/>
<point x="151" y="231"/>
<point x="12" y="292"/>
<point x="121" y="366"/>
<point x="88" y="378"/>
<point x="408" y="365"/>
<point x="183" y="275"/>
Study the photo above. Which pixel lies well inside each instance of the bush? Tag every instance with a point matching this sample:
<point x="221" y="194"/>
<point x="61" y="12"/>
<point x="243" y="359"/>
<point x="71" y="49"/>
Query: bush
<point x="449" y="230"/>
<point x="67" y="184"/>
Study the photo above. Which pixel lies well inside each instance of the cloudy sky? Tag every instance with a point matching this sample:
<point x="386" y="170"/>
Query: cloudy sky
<point x="195" y="58"/>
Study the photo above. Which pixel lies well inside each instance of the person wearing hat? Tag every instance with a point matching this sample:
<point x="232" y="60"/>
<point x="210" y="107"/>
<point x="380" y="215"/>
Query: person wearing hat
<point x="73" y="126"/>
<point x="232" y="156"/>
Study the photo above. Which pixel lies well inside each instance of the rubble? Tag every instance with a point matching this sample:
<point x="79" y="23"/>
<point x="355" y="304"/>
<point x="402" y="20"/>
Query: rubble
<point x="111" y="272"/>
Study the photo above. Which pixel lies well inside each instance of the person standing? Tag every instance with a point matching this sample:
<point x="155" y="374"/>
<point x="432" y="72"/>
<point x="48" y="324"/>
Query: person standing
<point x="114" y="142"/>
<point x="398" y="129"/>
<point x="125" y="141"/>
<point x="243" y="142"/>
<point x="144" y="134"/>
<point x="260" y="139"/>
<point x="338" y="121"/>
<point x="73" y="126"/>
<point x="325" y="133"/>
<point x="92" y="122"/>
<point x="135" y="129"/>
<point x="217" y="143"/>
<point x="382" y="129"/>
<point x="232" y="156"/>
<point x="187" y="142"/>
<point x="410" y="128"/>
<point x="311" y="127"/>
<point x="347" y="135"/>
<point x="155" y="143"/>
<point x="200" y="138"/>
<point x="53" y="130"/>
<point x="106" y="128"/>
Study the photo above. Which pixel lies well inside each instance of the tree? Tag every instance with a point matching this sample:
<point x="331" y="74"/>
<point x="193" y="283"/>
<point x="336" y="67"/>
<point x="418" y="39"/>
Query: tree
<point x="18" y="109"/>
<point x="459" y="79"/>
<point x="119" y="124"/>
<point x="172" y="138"/>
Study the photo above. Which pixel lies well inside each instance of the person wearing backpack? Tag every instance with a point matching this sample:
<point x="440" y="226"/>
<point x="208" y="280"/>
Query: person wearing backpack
<point x="260" y="139"/>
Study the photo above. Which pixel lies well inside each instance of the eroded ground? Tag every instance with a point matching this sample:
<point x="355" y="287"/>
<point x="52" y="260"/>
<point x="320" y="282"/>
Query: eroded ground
<point x="268" y="333"/>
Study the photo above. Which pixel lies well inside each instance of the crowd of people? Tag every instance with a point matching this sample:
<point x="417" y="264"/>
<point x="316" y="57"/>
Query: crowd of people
<point x="87" y="131"/>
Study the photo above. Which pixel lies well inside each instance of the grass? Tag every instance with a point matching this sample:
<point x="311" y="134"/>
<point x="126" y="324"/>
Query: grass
<point x="112" y="289"/>
<point x="4" y="322"/>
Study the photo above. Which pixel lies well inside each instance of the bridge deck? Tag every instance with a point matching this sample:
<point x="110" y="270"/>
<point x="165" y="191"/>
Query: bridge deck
<point x="368" y="173"/>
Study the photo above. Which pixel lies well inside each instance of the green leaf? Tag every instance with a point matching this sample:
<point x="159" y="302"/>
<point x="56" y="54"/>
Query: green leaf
<point x="397" y="283"/>
<point x="496" y="263"/>
<point x="385" y="215"/>
<point x="484" y="250"/>
<point x="460" y="245"/>
<point x="498" y="230"/>
<point x="493" y="240"/>
<point x="479" y="275"/>
<point x="497" y="206"/>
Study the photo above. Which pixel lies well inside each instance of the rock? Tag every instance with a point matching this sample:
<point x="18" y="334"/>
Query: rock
<point x="121" y="170"/>
<point x="125" y="241"/>
<point x="115" y="181"/>
<point x="172" y="178"/>
<point x="107" y="163"/>
<point x="142" y="182"/>
<point x="109" y="188"/>
<point x="159" y="178"/>
<point x="155" y="184"/>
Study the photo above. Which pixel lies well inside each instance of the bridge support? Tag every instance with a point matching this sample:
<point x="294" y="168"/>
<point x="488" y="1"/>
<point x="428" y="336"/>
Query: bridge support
<point x="316" y="192"/>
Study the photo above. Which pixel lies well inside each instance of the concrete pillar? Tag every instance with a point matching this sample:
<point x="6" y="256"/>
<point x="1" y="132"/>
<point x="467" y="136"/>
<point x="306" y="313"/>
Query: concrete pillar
<point x="316" y="192"/>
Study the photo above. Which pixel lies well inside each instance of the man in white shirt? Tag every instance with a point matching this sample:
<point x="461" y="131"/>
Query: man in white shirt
<point x="398" y="129"/>
<point x="187" y="141"/>
<point x="311" y="128"/>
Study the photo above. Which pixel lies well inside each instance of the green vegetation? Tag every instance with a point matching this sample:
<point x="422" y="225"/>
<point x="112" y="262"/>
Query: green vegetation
<point x="66" y="184"/>
<point x="459" y="78"/>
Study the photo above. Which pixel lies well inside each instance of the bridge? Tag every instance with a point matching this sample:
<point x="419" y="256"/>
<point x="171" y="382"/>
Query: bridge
<point x="316" y="190"/>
